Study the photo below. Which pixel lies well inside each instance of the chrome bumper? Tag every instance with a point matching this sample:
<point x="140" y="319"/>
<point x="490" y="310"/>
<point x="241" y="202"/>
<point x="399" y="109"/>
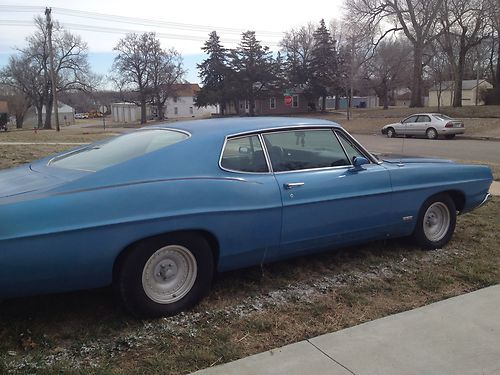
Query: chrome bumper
<point x="484" y="200"/>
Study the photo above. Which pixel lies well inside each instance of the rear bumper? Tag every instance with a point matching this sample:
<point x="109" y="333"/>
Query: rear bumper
<point x="484" y="200"/>
<point x="451" y="131"/>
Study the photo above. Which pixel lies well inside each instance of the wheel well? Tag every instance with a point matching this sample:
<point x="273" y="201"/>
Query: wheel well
<point x="458" y="198"/>
<point x="211" y="239"/>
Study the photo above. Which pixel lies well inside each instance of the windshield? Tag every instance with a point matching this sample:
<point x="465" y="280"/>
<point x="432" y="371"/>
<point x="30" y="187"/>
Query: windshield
<point x="118" y="150"/>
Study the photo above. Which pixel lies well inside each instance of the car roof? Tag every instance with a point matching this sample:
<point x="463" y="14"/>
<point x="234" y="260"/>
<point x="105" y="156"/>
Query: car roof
<point x="236" y="125"/>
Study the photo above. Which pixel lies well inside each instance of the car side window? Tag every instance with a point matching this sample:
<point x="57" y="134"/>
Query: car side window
<point x="244" y="154"/>
<point x="410" y="119"/>
<point x="304" y="149"/>
<point x="423" y="119"/>
<point x="349" y="146"/>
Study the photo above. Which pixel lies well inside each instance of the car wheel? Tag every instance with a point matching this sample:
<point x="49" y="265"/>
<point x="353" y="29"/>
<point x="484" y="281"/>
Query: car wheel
<point x="166" y="275"/>
<point x="449" y="136"/>
<point x="431" y="133"/>
<point x="436" y="222"/>
<point x="391" y="133"/>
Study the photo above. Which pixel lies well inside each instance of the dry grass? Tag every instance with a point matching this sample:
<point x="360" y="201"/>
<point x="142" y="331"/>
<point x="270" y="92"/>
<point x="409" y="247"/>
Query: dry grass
<point x="251" y="310"/>
<point x="248" y="311"/>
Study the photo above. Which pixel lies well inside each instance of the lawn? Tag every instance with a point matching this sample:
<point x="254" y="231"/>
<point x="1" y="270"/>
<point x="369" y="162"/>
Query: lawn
<point x="248" y="311"/>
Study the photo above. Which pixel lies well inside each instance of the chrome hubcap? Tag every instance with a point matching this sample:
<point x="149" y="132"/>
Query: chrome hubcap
<point x="169" y="274"/>
<point x="436" y="221"/>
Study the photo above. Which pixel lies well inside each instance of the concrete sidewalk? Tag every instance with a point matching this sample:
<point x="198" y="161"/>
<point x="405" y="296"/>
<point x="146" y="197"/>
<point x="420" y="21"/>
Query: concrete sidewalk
<point x="460" y="335"/>
<point x="495" y="188"/>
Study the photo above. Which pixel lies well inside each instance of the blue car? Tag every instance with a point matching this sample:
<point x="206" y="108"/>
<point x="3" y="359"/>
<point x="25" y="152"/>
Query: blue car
<point x="156" y="212"/>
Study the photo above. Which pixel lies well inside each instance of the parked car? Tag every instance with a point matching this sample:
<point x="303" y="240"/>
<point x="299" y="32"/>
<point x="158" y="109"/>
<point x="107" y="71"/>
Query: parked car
<point x="430" y="125"/>
<point x="80" y="115"/>
<point x="157" y="211"/>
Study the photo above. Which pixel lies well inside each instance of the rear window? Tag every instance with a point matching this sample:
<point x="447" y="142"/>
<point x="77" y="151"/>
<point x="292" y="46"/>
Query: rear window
<point x="244" y="154"/>
<point x="117" y="150"/>
<point x="443" y="117"/>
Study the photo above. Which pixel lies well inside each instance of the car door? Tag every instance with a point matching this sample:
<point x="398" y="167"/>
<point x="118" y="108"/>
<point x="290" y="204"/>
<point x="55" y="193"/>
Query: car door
<point x="422" y="124"/>
<point x="325" y="199"/>
<point x="409" y="125"/>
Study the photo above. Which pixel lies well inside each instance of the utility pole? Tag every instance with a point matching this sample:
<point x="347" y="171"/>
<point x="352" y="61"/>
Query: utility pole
<point x="48" y="12"/>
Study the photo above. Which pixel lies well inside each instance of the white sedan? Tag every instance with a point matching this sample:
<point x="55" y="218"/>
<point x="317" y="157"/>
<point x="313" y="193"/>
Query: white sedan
<point x="430" y="125"/>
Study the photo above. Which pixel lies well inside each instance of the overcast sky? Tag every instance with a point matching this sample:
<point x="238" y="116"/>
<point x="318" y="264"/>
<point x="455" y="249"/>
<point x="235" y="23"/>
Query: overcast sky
<point x="183" y="25"/>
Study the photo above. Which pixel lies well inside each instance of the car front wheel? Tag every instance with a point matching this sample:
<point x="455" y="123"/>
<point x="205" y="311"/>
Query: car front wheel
<point x="164" y="276"/>
<point x="391" y="133"/>
<point x="436" y="222"/>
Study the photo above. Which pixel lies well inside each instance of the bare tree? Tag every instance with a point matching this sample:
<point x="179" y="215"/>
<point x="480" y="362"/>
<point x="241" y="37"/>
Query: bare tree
<point x="464" y="27"/>
<point x="25" y="76"/>
<point x="165" y="70"/>
<point x="132" y="65"/>
<point x="388" y="68"/>
<point x="297" y="46"/>
<point x="439" y="72"/>
<point x="418" y="19"/>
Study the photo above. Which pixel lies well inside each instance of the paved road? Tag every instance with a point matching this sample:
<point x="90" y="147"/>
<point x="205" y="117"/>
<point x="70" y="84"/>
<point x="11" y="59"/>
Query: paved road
<point x="459" y="149"/>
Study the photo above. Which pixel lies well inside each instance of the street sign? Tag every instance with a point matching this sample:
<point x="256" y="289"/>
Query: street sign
<point x="103" y="109"/>
<point x="288" y="100"/>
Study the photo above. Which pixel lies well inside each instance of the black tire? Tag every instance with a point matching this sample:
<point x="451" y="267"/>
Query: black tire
<point x="391" y="133"/>
<point x="450" y="136"/>
<point x="130" y="279"/>
<point x="431" y="133"/>
<point x="423" y="233"/>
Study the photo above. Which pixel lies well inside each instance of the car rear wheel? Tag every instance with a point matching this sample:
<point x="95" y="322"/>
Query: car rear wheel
<point x="436" y="222"/>
<point x="431" y="133"/>
<point x="163" y="276"/>
<point x="391" y="133"/>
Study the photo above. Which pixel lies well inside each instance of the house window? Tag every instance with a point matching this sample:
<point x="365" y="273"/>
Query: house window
<point x="295" y="101"/>
<point x="175" y="99"/>
<point x="272" y="103"/>
<point x="190" y="110"/>
<point x="246" y="104"/>
<point x="176" y="111"/>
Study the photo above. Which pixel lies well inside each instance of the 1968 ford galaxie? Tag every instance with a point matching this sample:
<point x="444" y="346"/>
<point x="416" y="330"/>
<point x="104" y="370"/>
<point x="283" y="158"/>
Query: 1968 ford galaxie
<point x="157" y="211"/>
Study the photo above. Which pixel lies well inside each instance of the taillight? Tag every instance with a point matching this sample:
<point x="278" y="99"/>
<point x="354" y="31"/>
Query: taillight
<point x="449" y="125"/>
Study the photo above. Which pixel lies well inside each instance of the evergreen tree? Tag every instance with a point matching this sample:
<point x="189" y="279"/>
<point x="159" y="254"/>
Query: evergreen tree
<point x="255" y="69"/>
<point x="323" y="64"/>
<point x="214" y="74"/>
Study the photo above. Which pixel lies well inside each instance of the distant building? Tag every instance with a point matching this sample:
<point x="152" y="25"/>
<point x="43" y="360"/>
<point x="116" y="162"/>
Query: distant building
<point x="4" y="108"/>
<point x="182" y="104"/>
<point x="357" y="102"/>
<point x="128" y="112"/>
<point x="470" y="89"/>
<point x="66" y="116"/>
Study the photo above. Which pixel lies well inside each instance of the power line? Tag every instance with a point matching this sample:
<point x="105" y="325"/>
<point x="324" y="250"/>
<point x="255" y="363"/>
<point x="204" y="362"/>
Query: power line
<point x="114" y="30"/>
<point x="135" y="20"/>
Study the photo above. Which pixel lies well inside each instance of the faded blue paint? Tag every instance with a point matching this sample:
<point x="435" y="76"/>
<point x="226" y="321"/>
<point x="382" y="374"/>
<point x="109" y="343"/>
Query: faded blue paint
<point x="62" y="230"/>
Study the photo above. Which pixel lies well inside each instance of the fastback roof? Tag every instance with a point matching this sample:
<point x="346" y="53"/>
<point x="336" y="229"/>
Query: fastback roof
<point x="234" y="125"/>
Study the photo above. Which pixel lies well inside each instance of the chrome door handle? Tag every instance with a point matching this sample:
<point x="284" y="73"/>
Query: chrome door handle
<point x="291" y="185"/>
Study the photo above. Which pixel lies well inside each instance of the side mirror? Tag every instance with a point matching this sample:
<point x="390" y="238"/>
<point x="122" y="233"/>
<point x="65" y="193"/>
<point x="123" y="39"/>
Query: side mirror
<point x="358" y="162"/>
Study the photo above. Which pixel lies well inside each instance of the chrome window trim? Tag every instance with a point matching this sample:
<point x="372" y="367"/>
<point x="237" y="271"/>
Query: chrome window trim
<point x="230" y="138"/>
<point x="261" y="132"/>
<point x="55" y="158"/>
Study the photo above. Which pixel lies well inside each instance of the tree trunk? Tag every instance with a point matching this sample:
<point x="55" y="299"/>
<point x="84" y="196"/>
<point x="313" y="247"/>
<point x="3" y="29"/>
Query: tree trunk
<point x="337" y="101"/>
<point x="459" y="72"/>
<point x="48" y="113"/>
<point x="386" y="98"/>
<point x="19" y="120"/>
<point x="416" y="91"/>
<point x="251" y="103"/>
<point x="143" y="111"/>
<point x="161" y="113"/>
<point x="497" y="74"/>
<point x="323" y="103"/>
<point x="39" y="116"/>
